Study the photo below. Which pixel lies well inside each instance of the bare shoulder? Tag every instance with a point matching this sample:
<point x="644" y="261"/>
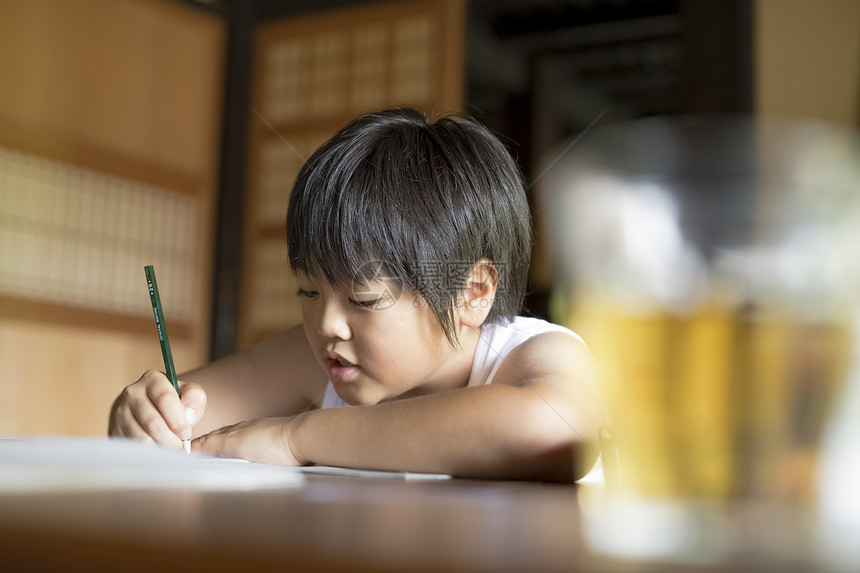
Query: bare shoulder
<point x="562" y="372"/>
<point x="555" y="358"/>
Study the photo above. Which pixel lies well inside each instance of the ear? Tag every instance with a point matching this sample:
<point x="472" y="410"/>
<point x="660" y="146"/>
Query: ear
<point x="479" y="293"/>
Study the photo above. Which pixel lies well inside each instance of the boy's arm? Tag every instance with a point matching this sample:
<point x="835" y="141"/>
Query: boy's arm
<point x="536" y="420"/>
<point x="277" y="377"/>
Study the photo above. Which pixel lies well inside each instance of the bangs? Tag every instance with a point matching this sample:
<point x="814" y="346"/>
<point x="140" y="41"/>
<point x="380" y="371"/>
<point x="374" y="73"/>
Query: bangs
<point x="344" y="227"/>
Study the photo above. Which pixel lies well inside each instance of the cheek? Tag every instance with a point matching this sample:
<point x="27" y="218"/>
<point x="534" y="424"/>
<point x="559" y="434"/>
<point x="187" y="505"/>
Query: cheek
<point x="402" y="348"/>
<point x="429" y="332"/>
<point x="309" y="331"/>
<point x="309" y="313"/>
<point x="309" y="324"/>
<point x="381" y="348"/>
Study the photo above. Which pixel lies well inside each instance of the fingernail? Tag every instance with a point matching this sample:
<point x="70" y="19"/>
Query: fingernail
<point x="185" y="434"/>
<point x="190" y="415"/>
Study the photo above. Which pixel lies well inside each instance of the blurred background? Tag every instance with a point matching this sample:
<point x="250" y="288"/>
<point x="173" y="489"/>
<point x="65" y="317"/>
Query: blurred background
<point x="168" y="132"/>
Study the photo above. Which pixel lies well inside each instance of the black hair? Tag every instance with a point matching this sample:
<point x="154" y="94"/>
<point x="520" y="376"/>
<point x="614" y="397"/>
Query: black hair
<point x="426" y="199"/>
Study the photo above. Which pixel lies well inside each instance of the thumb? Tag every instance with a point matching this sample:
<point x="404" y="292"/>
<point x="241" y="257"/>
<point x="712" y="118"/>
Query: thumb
<point x="194" y="401"/>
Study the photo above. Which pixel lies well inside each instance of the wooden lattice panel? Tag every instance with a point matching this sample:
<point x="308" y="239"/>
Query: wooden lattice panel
<point x="280" y="161"/>
<point x="352" y="68"/>
<point x="79" y="238"/>
<point x="312" y="75"/>
<point x="274" y="287"/>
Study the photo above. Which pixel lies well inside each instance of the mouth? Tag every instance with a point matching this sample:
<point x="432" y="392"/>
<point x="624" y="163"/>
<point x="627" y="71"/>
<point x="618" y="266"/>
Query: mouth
<point x="340" y="369"/>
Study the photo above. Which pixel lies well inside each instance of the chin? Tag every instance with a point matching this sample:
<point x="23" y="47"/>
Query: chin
<point x="351" y="394"/>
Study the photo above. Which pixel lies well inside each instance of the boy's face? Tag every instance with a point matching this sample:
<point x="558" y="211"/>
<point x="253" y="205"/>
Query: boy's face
<point x="377" y="342"/>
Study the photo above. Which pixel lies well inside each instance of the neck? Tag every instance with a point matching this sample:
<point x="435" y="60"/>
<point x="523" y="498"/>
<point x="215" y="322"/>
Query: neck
<point x="462" y="358"/>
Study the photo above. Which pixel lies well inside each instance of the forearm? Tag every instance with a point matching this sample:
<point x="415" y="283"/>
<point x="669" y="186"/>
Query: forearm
<point x="501" y="432"/>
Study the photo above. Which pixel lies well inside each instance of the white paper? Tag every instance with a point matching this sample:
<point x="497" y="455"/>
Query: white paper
<point x="353" y="472"/>
<point x="331" y="470"/>
<point x="76" y="464"/>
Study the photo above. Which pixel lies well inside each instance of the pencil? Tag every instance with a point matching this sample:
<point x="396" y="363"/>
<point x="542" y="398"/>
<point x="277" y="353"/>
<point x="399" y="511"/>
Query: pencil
<point x="161" y="327"/>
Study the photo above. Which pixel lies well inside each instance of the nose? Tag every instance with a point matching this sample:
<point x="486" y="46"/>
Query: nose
<point x="333" y="322"/>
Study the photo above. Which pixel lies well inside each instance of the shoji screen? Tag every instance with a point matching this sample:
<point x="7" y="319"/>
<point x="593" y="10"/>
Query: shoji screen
<point x="110" y="116"/>
<point x="312" y="75"/>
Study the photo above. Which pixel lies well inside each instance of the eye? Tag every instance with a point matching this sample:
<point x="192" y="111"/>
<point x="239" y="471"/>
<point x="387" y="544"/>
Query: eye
<point x="380" y="303"/>
<point x="310" y="294"/>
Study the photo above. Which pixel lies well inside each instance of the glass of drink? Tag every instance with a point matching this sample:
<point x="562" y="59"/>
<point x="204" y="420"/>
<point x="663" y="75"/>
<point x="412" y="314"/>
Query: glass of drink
<point x="712" y="264"/>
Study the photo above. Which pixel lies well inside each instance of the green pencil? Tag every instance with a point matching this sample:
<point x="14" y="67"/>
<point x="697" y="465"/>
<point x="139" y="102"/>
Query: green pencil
<point x="161" y="327"/>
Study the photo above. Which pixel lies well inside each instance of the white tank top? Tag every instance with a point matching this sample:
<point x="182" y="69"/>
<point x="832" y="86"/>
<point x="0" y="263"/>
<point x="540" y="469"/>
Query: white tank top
<point x="495" y="343"/>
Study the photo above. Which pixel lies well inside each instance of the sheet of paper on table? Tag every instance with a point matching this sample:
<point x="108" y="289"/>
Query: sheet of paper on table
<point x="72" y="463"/>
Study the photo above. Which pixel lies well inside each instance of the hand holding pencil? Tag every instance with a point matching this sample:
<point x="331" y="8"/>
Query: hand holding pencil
<point x="161" y="328"/>
<point x="158" y="407"/>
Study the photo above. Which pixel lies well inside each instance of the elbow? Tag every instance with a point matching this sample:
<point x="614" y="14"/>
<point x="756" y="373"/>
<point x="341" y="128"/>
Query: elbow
<point x="527" y="439"/>
<point x="549" y="450"/>
<point x="560" y="459"/>
<point x="562" y="447"/>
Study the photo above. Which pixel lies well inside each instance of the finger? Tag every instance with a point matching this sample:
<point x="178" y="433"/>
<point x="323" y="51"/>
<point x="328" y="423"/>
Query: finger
<point x="254" y="440"/>
<point x="123" y="421"/>
<point x="135" y="415"/>
<point x="194" y="401"/>
<point x="216" y="443"/>
<point x="168" y="410"/>
<point x="146" y="421"/>
<point x="128" y="427"/>
<point x="152" y="424"/>
<point x="119" y="419"/>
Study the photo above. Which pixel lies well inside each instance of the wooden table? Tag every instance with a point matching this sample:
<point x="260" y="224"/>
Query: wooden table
<point x="332" y="524"/>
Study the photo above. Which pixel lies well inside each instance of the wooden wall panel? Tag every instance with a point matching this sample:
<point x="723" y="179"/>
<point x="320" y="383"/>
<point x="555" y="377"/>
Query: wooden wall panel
<point x="807" y="59"/>
<point x="121" y="97"/>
